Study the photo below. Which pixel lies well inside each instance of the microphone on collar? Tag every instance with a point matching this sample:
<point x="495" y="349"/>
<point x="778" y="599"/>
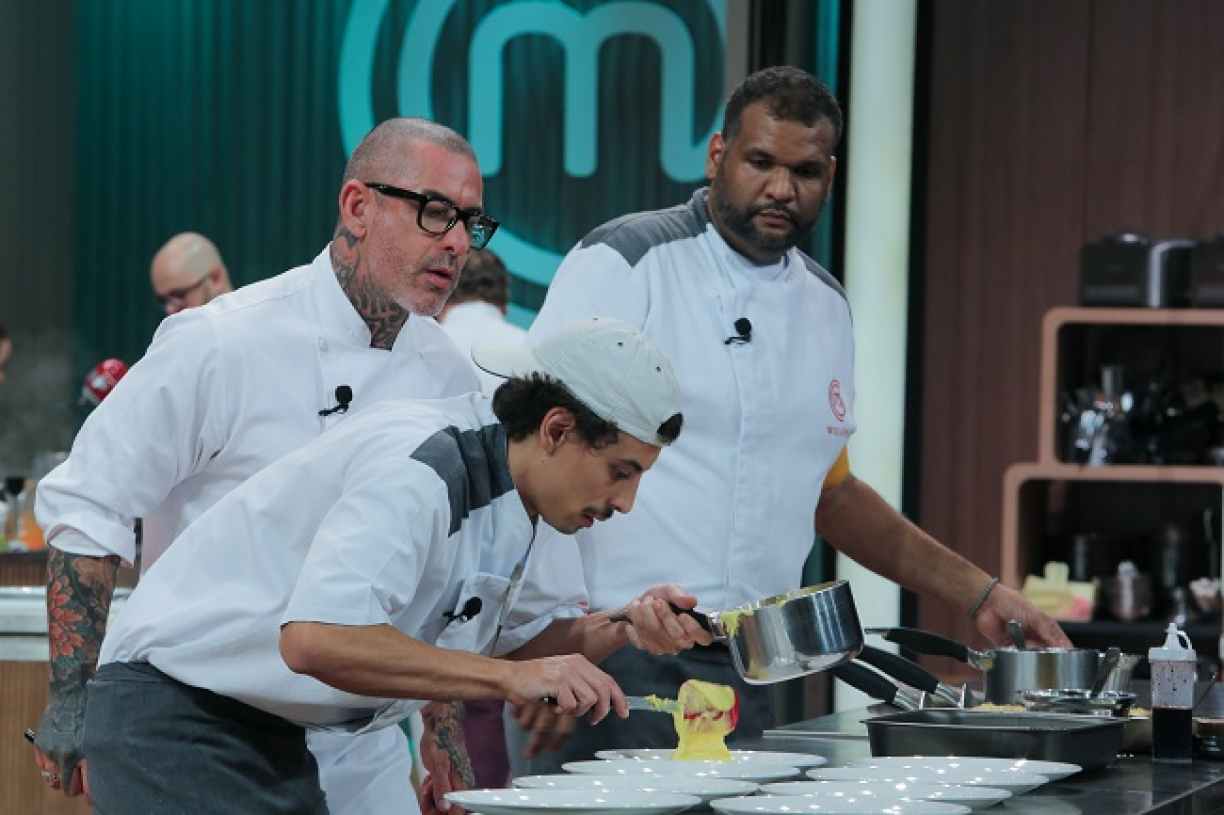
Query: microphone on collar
<point x="743" y="332"/>
<point x="344" y="395"/>
<point x="470" y="609"/>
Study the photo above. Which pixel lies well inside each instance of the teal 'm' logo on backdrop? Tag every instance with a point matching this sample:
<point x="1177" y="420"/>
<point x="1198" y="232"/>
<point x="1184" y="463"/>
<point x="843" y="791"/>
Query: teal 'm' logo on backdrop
<point x="437" y="32"/>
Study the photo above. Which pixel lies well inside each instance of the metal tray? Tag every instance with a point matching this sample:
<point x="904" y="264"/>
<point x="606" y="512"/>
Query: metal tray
<point x="1088" y="741"/>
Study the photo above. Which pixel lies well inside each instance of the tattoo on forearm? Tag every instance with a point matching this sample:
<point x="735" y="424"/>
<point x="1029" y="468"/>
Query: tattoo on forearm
<point x="444" y="720"/>
<point x="79" y="592"/>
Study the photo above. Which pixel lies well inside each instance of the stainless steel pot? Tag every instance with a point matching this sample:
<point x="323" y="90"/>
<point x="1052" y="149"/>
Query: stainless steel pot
<point x="801" y="632"/>
<point x="1007" y="671"/>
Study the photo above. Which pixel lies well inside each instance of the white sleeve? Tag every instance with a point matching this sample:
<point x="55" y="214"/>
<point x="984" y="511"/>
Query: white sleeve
<point x="592" y="281"/>
<point x="158" y="426"/>
<point x="368" y="557"/>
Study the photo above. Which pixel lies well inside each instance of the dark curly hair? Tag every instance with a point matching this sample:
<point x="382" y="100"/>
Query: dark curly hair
<point x="793" y="95"/>
<point x="520" y="403"/>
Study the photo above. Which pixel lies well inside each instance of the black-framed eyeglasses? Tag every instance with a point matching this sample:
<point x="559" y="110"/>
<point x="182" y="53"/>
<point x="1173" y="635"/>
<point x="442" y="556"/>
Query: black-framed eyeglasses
<point x="436" y="216"/>
<point x="179" y="296"/>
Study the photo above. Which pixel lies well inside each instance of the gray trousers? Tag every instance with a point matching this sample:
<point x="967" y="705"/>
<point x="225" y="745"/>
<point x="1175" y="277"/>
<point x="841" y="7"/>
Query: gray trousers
<point x="156" y="745"/>
<point x="640" y="674"/>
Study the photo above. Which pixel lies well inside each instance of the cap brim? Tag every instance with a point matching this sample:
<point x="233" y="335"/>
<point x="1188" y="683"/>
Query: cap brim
<point x="504" y="360"/>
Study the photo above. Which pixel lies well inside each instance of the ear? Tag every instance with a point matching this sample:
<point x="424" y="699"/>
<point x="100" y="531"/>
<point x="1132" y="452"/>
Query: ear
<point x="714" y="155"/>
<point x="354" y="207"/>
<point x="555" y="428"/>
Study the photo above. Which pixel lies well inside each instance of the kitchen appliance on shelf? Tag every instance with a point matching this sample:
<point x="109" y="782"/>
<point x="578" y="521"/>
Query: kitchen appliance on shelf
<point x="1207" y="273"/>
<point x="1129" y="270"/>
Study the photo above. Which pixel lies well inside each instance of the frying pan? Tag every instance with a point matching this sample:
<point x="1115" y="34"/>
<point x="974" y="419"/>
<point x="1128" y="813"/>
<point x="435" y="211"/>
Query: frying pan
<point x="789" y="635"/>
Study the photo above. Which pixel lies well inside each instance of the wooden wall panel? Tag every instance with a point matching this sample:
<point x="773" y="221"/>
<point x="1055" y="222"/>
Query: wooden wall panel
<point x="1051" y="123"/>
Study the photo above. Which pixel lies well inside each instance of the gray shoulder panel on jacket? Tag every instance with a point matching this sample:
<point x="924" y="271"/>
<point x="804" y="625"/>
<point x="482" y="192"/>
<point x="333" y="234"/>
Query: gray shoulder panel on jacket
<point x="473" y="465"/>
<point x="824" y="275"/>
<point x="633" y="235"/>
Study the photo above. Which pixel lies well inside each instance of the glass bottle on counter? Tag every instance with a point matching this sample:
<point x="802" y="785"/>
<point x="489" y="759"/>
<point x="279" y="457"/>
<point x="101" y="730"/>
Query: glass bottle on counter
<point x="1173" y="672"/>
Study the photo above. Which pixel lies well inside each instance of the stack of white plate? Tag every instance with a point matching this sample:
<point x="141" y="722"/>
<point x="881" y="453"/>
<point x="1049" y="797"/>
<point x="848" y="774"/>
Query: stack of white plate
<point x="1013" y="782"/>
<point x="572" y="802"/>
<point x="761" y="772"/>
<point x="972" y="797"/>
<point x="801" y="760"/>
<point x="862" y="805"/>
<point x="705" y="789"/>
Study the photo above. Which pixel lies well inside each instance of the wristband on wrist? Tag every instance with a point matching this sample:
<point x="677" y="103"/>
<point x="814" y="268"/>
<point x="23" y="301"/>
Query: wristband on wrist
<point x="981" y="601"/>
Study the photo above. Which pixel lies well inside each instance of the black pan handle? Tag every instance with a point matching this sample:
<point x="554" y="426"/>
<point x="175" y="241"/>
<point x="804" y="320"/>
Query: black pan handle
<point x="871" y="683"/>
<point x="924" y="642"/>
<point x="900" y="668"/>
<point x="701" y="616"/>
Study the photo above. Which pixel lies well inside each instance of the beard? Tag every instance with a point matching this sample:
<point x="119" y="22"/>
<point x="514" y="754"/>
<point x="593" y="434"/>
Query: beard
<point x="739" y="221"/>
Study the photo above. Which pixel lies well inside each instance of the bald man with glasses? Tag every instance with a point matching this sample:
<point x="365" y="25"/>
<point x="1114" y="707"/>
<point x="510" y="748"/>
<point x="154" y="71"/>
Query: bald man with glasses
<point x="188" y="272"/>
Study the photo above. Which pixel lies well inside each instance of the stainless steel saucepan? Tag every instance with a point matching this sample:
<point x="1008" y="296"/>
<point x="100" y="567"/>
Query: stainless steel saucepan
<point x="801" y="632"/>
<point x="1007" y="671"/>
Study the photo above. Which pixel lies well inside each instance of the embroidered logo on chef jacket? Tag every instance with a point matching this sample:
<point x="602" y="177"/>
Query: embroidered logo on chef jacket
<point x="836" y="402"/>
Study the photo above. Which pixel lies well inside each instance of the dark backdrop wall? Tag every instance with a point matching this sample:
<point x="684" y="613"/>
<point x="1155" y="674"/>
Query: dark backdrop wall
<point x="1050" y="123"/>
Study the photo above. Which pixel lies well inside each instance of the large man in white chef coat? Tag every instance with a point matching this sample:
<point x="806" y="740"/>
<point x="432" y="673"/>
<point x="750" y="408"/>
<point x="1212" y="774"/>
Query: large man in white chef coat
<point x="231" y="386"/>
<point x="317" y="594"/>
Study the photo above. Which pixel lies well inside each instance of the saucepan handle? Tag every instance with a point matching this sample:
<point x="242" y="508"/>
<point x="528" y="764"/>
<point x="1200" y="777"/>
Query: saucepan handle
<point x="871" y="683"/>
<point x="700" y="615"/>
<point x="924" y="642"/>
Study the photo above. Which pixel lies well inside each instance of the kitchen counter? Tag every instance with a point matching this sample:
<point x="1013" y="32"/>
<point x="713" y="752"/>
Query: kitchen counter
<point x="1132" y="785"/>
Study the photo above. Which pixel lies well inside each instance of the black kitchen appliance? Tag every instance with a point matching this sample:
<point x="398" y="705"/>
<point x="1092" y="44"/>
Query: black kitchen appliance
<point x="1207" y="273"/>
<point x="1129" y="270"/>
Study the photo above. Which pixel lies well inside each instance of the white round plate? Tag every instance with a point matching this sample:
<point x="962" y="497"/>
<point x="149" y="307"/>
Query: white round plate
<point x="761" y="773"/>
<point x="571" y="802"/>
<point x="791" y="804"/>
<point x="972" y="797"/>
<point x="800" y="760"/>
<point x="707" y="789"/>
<point x="1015" y="783"/>
<point x="1053" y="770"/>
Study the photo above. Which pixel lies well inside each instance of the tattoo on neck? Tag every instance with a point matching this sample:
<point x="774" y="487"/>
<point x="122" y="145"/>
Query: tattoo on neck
<point x="382" y="316"/>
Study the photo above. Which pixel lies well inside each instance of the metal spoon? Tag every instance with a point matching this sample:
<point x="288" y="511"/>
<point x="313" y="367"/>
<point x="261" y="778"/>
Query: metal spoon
<point x="1108" y="662"/>
<point x="1016" y="632"/>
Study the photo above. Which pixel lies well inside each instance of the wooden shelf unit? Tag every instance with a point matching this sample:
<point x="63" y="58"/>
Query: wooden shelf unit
<point x="1054" y="497"/>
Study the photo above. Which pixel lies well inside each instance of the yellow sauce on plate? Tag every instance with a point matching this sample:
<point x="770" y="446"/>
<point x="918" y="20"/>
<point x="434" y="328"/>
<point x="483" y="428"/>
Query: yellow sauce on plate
<point x="708" y="712"/>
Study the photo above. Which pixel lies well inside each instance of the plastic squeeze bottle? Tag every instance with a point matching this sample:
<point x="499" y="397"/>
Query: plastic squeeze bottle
<point x="1173" y="672"/>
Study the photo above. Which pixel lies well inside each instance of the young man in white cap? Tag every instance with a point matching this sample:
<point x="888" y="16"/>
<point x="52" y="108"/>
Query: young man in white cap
<point x="380" y="566"/>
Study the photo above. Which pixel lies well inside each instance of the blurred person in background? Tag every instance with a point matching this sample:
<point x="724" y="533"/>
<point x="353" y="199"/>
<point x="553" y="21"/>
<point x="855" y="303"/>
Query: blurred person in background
<point x="188" y="272"/>
<point x="229" y="387"/>
<point x="476" y="312"/>
<point x="6" y="351"/>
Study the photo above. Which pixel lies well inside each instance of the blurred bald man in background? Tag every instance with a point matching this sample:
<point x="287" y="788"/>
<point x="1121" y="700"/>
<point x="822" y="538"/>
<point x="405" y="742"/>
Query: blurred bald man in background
<point x="188" y="272"/>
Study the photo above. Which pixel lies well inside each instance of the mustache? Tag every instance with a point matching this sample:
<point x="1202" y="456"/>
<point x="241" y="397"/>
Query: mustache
<point x="443" y="261"/>
<point x="790" y="214"/>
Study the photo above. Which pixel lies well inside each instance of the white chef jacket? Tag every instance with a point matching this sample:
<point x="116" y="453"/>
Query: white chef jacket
<point x="728" y="513"/>
<point x="477" y="321"/>
<point x="399" y="516"/>
<point x="238" y="383"/>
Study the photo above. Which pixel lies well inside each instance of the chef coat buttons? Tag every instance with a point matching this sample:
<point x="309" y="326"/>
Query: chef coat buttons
<point x="322" y="343"/>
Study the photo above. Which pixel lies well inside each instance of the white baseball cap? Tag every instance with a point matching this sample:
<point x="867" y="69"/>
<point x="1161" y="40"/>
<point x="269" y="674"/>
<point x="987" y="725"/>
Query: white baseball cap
<point x="607" y="364"/>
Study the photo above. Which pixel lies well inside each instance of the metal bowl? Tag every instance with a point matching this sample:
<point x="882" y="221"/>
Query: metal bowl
<point x="1116" y="704"/>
